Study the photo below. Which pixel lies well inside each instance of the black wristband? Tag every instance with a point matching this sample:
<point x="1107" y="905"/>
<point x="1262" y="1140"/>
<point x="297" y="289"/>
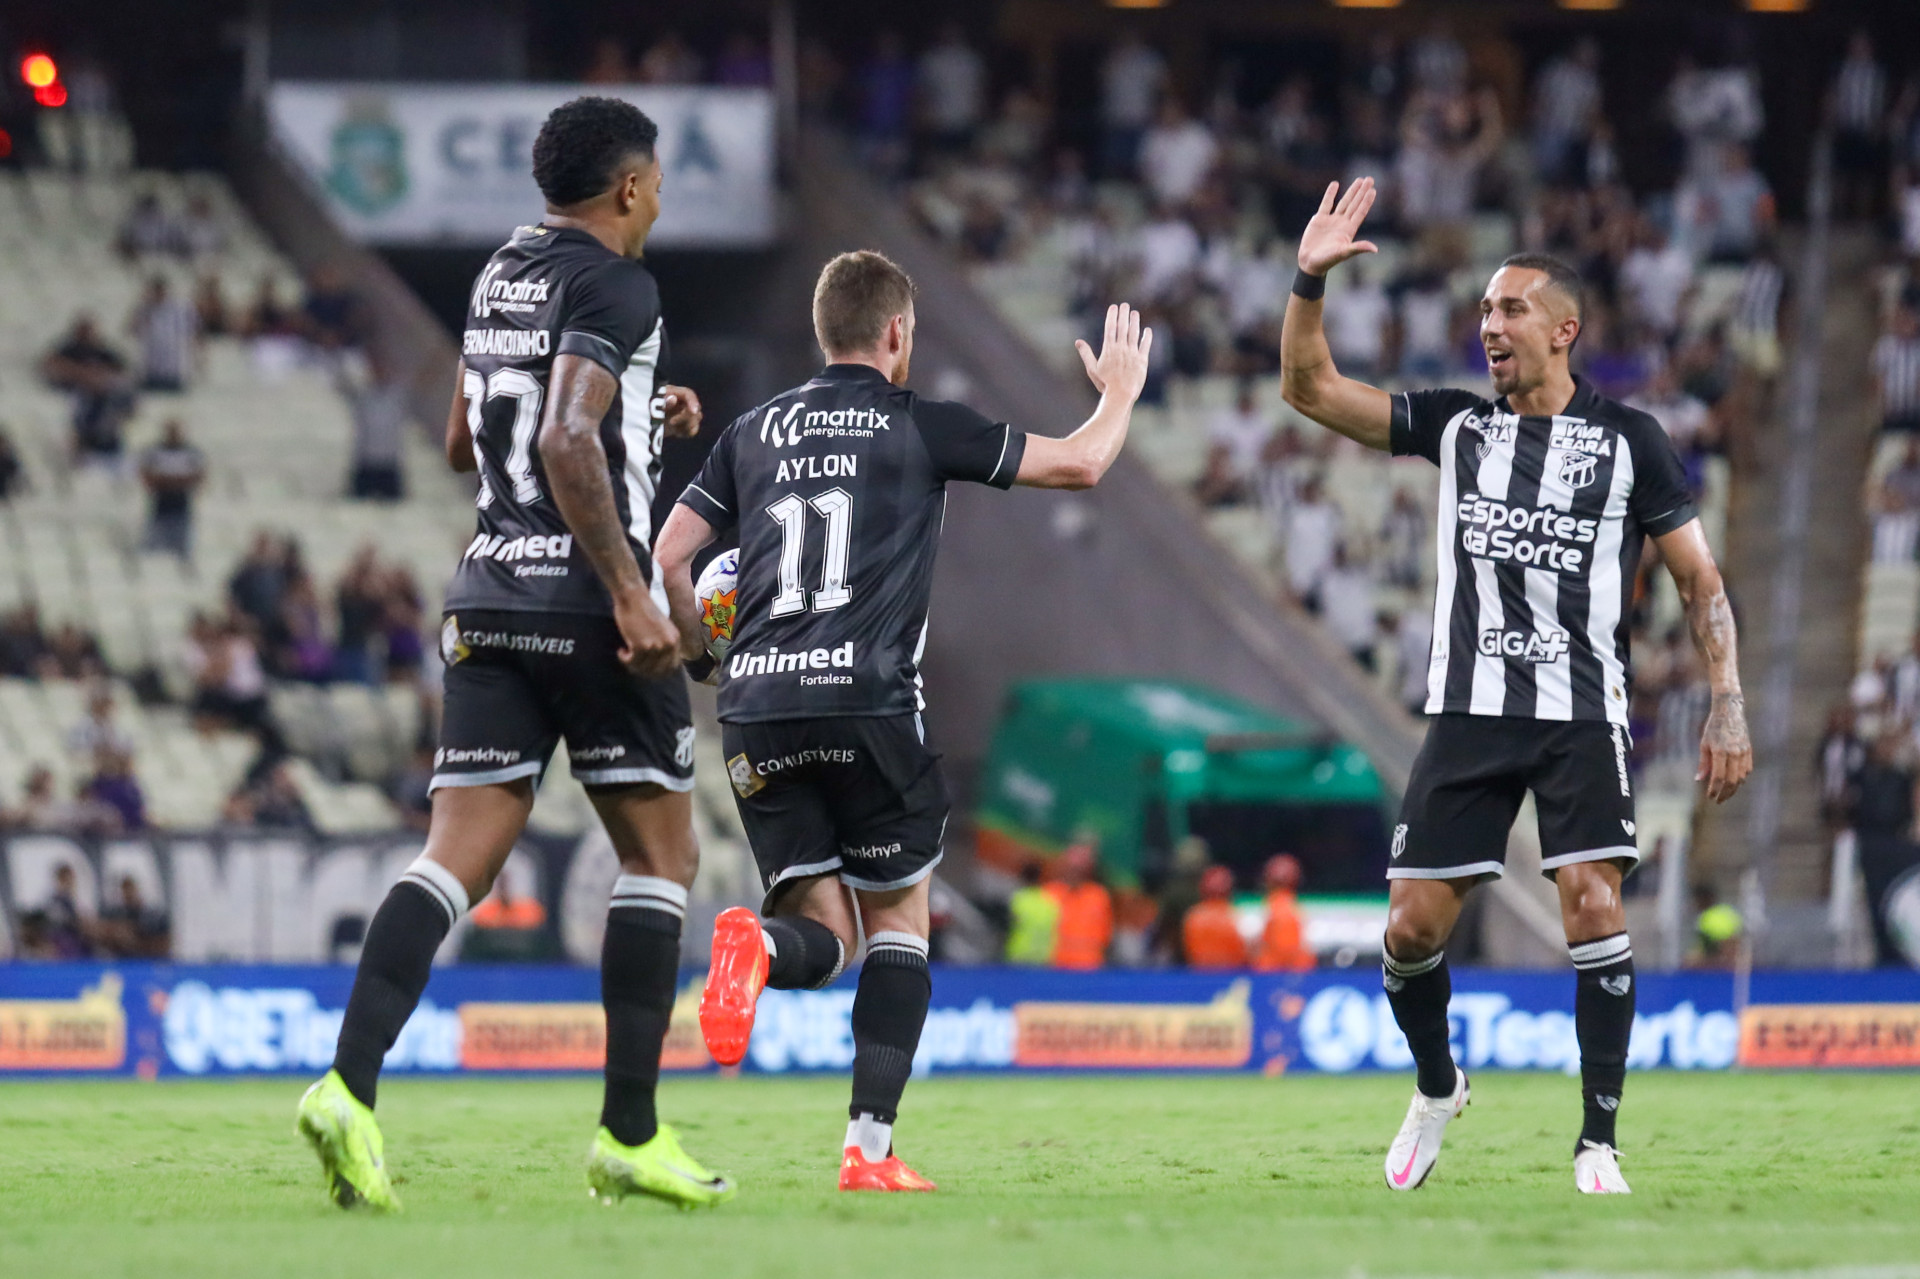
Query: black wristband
<point x="699" y="669"/>
<point x="1310" y="287"/>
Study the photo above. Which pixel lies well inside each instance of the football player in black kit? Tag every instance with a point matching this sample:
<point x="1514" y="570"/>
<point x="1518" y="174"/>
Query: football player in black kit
<point x="554" y="628"/>
<point x="837" y="489"/>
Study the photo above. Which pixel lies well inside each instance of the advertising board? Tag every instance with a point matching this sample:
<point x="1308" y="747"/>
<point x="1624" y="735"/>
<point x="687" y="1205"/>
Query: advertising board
<point x="400" y="163"/>
<point x="158" y="1020"/>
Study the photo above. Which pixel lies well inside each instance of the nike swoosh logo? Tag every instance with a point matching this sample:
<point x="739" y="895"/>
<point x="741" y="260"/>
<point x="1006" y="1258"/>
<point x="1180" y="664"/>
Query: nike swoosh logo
<point x="708" y="1182"/>
<point x="1400" y="1178"/>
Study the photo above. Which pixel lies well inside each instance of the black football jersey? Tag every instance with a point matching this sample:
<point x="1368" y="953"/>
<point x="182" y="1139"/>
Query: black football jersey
<point x="838" y="489"/>
<point x="547" y="292"/>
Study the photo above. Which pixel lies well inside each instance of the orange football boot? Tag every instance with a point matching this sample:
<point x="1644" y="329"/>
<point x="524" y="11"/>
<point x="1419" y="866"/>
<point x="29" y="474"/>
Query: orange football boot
<point x="734" y="981"/>
<point x="856" y="1173"/>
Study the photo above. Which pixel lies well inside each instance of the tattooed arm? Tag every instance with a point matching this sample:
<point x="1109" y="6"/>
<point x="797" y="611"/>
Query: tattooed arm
<point x="1726" y="753"/>
<point x="576" y="463"/>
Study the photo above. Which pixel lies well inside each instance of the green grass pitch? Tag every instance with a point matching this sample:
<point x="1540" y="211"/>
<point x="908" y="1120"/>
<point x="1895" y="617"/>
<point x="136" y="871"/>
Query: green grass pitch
<point x="1209" y="1177"/>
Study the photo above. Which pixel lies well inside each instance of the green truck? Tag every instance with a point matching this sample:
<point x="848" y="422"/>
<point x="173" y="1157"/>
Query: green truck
<point x="1139" y="765"/>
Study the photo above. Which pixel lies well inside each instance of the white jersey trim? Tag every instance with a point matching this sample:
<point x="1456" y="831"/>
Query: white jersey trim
<point x="1604" y="589"/>
<point x="637" y="385"/>
<point x="1439" y="652"/>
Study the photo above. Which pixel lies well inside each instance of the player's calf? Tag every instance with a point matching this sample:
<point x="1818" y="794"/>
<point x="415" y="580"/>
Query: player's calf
<point x="639" y="968"/>
<point x="889" y="1011"/>
<point x="1603" y="1023"/>
<point x="1419" y="991"/>
<point x="395" y="962"/>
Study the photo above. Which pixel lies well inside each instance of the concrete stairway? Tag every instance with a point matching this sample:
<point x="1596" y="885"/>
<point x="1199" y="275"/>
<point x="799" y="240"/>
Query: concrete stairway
<point x="1822" y="625"/>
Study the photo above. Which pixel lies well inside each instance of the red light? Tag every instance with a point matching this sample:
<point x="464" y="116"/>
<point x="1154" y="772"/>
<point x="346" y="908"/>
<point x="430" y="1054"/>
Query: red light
<point x="38" y="70"/>
<point x="52" y="95"/>
<point x="6" y="144"/>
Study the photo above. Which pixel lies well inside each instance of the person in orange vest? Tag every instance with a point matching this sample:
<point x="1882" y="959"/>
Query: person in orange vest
<point x="1283" y="942"/>
<point x="502" y="909"/>
<point x="1085" y="929"/>
<point x="1210" y="935"/>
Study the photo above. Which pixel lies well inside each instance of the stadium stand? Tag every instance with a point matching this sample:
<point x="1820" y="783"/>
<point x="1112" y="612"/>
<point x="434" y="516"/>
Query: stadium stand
<point x="1683" y="320"/>
<point x="274" y="420"/>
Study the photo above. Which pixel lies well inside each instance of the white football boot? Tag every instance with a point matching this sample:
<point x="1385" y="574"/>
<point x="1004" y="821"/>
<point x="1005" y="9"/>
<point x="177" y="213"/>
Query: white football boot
<point x="1417" y="1146"/>
<point x="1596" y="1170"/>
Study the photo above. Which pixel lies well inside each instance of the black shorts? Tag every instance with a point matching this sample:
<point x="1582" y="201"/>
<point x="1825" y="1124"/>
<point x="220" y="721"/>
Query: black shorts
<point x="860" y="796"/>
<point x="517" y="683"/>
<point x="1473" y="772"/>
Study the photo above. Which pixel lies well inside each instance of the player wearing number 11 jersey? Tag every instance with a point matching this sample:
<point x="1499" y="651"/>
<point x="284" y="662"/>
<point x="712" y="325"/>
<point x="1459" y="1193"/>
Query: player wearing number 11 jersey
<point x="837" y="489"/>
<point x="552" y="631"/>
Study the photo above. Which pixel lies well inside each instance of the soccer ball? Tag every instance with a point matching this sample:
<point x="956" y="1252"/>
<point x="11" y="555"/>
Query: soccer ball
<point x="714" y="593"/>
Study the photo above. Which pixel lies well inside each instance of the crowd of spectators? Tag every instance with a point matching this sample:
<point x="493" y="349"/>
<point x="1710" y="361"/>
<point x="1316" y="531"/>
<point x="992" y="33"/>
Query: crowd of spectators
<point x="167" y="330"/>
<point x="741" y="61"/>
<point x="1187" y="204"/>
<point x="60" y="928"/>
<point x="276" y="623"/>
<point x="1869" y="758"/>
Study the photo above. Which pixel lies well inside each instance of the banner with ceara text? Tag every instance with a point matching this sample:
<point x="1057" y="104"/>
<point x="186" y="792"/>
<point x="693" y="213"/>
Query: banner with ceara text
<point x="452" y="164"/>
<point x="198" y="1021"/>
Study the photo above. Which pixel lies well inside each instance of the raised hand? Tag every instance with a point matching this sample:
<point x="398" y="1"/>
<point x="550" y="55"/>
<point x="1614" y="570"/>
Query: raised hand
<point x="1121" y="366"/>
<point x="1328" y="240"/>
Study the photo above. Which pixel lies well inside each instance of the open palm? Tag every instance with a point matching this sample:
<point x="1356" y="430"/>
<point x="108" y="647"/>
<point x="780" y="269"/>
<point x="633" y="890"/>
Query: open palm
<point x="1328" y="240"/>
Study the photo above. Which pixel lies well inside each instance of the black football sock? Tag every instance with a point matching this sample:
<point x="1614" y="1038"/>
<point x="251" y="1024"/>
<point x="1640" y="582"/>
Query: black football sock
<point x="889" y="1009"/>
<point x="803" y="954"/>
<point x="1603" y="1022"/>
<point x="639" y="972"/>
<point x="1419" y="990"/>
<point x="395" y="962"/>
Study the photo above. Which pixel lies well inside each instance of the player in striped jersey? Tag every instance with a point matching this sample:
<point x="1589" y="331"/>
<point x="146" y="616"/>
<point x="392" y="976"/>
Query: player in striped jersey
<point x="1546" y="494"/>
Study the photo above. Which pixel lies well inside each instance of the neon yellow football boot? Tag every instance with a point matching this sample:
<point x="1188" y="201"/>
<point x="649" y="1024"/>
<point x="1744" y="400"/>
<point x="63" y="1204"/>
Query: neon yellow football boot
<point x="347" y="1139"/>
<point x="658" y="1167"/>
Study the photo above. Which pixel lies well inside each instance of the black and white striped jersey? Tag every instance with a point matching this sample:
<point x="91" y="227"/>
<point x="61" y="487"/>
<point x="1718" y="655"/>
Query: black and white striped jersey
<point x="1896" y="368"/>
<point x="552" y="291"/>
<point x="1540" y="527"/>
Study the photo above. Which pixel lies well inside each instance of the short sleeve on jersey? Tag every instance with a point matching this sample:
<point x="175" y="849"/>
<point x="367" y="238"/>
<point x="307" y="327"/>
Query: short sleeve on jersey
<point x="965" y="445"/>
<point x="609" y="312"/>
<point x="712" y="495"/>
<point x="1420" y="418"/>
<point x="1660" y="500"/>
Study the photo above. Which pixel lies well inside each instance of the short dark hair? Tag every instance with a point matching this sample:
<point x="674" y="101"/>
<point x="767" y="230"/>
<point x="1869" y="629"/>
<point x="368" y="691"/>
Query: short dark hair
<point x="582" y="145"/>
<point x="855" y="297"/>
<point x="1559" y="275"/>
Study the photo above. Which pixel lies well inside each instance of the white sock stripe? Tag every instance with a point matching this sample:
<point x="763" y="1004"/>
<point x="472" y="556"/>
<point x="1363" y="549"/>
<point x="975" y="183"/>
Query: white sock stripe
<point x="1587" y="965"/>
<point x="773" y="949"/>
<point x="650" y="892"/>
<point x="839" y="963"/>
<point x="895" y="940"/>
<point x="1604" y="950"/>
<point x="1411" y="968"/>
<point x="440" y="884"/>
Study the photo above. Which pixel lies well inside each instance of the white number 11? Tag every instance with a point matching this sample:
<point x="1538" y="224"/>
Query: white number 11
<point x="791" y="514"/>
